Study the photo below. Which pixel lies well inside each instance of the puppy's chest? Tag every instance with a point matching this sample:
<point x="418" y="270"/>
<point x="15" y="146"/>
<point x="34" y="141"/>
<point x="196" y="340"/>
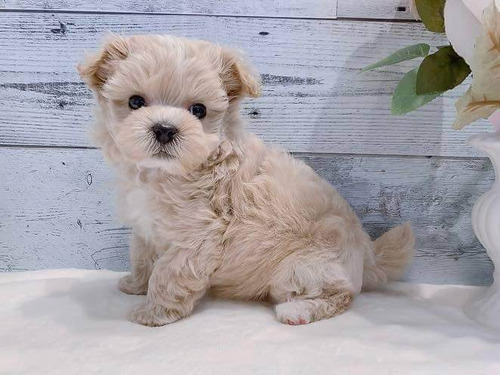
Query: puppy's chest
<point x="140" y="211"/>
<point x="167" y="210"/>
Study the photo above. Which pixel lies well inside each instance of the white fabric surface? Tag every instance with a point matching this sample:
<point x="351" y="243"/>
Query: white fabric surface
<point x="73" y="321"/>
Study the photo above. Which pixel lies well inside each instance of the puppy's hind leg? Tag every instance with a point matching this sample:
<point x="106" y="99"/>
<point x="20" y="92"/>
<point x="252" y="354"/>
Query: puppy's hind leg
<point x="142" y="258"/>
<point x="311" y="286"/>
<point x="324" y="306"/>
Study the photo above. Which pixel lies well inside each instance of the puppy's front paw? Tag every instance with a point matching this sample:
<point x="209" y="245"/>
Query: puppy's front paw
<point x="129" y="285"/>
<point x="153" y="315"/>
<point x="294" y="313"/>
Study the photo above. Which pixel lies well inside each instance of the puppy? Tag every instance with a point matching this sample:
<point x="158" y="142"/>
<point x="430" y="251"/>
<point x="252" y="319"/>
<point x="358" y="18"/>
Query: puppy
<point x="212" y="208"/>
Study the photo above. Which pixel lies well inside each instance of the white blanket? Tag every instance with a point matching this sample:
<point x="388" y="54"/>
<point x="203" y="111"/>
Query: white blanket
<point x="74" y="322"/>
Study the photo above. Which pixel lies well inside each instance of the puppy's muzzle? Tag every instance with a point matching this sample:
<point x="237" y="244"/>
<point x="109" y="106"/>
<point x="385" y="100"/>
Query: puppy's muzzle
<point x="164" y="133"/>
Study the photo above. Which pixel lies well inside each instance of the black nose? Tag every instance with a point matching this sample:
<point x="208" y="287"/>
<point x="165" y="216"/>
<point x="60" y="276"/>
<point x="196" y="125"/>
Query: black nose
<point x="164" y="134"/>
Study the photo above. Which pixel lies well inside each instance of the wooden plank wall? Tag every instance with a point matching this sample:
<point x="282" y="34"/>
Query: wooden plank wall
<point x="56" y="194"/>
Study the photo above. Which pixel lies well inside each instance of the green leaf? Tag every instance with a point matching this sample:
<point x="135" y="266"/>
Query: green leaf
<point x="432" y="14"/>
<point x="405" y="98"/>
<point x="406" y="53"/>
<point x="441" y="71"/>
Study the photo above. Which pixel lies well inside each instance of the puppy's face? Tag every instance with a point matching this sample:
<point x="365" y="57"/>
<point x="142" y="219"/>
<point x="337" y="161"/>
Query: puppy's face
<point x="165" y="100"/>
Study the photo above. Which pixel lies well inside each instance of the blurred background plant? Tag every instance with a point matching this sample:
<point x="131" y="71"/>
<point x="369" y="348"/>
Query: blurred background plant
<point x="473" y="29"/>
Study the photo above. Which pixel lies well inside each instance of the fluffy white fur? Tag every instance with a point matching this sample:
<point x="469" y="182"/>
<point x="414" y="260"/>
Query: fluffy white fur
<point x="217" y="210"/>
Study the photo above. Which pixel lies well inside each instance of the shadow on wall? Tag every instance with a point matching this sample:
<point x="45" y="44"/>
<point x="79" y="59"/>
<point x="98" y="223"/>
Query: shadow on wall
<point x="373" y="129"/>
<point x="407" y="188"/>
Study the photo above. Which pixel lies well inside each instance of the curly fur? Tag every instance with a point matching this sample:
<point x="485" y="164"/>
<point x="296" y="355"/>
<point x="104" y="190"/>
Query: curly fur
<point x="222" y="212"/>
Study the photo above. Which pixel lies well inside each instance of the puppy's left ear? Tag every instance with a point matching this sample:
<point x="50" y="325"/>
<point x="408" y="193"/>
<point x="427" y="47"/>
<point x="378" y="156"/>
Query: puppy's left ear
<point x="97" y="68"/>
<point x="239" y="78"/>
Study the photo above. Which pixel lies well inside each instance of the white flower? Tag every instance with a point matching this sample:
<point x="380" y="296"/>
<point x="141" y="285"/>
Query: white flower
<point x="462" y="22"/>
<point x="477" y="40"/>
<point x="462" y="19"/>
<point x="483" y="97"/>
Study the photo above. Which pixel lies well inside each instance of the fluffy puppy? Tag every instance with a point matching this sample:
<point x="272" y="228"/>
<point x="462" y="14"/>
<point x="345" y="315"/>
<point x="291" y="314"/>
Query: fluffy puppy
<point x="212" y="208"/>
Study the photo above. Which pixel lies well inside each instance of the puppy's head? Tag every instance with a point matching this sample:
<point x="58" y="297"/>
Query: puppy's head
<point x="164" y="101"/>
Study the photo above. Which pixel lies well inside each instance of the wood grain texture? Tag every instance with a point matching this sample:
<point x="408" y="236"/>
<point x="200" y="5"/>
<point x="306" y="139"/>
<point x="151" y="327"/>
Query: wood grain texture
<point x="314" y="98"/>
<point x="274" y="8"/>
<point x="57" y="209"/>
<point x="375" y="9"/>
<point x="325" y="9"/>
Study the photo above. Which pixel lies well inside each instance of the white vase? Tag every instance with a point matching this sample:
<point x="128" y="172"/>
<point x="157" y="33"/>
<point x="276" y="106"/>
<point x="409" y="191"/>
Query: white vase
<point x="486" y="224"/>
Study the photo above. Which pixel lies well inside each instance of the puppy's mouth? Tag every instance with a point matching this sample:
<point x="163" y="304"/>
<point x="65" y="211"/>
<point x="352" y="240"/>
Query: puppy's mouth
<point x="163" y="155"/>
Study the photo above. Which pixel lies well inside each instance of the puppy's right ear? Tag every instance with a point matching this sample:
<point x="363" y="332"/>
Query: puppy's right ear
<point x="238" y="76"/>
<point x="97" y="68"/>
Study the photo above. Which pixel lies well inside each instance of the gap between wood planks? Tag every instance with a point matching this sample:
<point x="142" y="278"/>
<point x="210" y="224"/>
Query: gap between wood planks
<point x="107" y="12"/>
<point x="43" y="147"/>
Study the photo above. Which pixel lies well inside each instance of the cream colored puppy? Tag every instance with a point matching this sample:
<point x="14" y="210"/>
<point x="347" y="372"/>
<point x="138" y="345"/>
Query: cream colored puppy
<point x="212" y="208"/>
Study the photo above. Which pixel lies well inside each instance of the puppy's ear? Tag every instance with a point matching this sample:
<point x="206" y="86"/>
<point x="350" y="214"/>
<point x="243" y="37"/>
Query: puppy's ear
<point x="97" y="68"/>
<point x="239" y="78"/>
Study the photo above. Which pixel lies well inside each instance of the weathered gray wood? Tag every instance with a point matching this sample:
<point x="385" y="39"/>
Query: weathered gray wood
<point x="314" y="99"/>
<point x="56" y="209"/>
<point x="274" y="8"/>
<point x="369" y="9"/>
<point x="375" y="9"/>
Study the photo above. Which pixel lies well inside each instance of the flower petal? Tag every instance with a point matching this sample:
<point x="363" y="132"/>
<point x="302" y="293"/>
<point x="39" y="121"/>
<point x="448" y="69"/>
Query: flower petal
<point x="483" y="97"/>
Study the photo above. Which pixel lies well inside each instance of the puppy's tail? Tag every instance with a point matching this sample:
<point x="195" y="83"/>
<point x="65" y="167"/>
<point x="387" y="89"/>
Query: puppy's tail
<point x="393" y="252"/>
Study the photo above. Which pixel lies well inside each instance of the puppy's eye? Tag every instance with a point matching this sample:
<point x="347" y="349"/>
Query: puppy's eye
<point x="198" y="110"/>
<point x="136" y="102"/>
